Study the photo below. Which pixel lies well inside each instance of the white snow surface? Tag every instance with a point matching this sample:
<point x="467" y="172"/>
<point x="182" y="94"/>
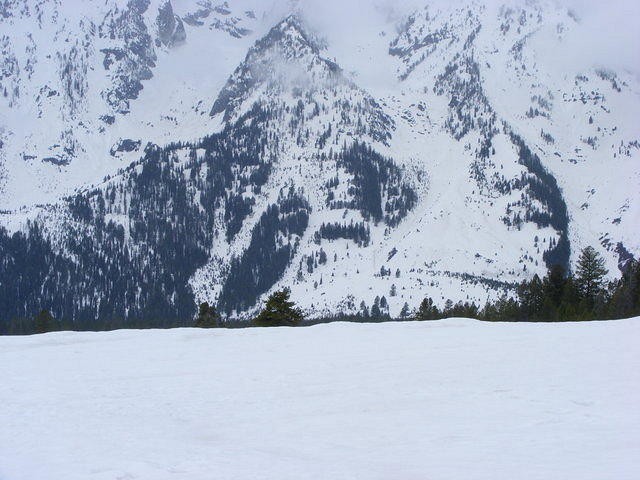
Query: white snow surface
<point x="449" y="399"/>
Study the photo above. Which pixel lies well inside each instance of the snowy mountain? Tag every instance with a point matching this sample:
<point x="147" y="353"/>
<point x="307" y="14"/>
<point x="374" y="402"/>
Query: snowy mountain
<point x="157" y="154"/>
<point x="84" y="83"/>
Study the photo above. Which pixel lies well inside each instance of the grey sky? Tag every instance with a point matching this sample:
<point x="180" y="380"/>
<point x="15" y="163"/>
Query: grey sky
<point x="608" y="34"/>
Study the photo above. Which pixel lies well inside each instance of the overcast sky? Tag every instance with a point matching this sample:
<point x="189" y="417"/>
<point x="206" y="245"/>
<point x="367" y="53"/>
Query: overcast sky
<point x="608" y="35"/>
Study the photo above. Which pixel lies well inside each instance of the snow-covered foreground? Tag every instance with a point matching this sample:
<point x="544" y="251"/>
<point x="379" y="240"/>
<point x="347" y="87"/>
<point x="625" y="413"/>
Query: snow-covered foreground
<point x="433" y="400"/>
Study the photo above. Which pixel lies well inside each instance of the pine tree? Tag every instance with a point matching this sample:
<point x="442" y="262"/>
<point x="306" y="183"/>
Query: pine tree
<point x="570" y="308"/>
<point x="44" y="322"/>
<point x="375" y="309"/>
<point x="364" y="310"/>
<point x="208" y="317"/>
<point x="554" y="284"/>
<point x="279" y="311"/>
<point x="531" y="297"/>
<point x="404" y="313"/>
<point x="384" y="305"/>
<point x="625" y="293"/>
<point x="427" y="310"/>
<point x="630" y="286"/>
<point x="590" y="274"/>
<point x="448" y="306"/>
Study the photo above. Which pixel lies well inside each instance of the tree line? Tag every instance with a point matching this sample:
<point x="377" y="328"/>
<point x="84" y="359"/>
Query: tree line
<point x="558" y="296"/>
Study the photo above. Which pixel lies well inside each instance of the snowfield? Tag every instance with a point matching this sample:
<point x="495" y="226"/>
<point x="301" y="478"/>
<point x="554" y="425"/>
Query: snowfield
<point x="452" y="399"/>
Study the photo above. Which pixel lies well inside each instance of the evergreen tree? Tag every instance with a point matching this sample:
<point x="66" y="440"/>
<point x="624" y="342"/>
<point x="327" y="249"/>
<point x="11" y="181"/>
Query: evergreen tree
<point x="570" y="308"/>
<point x="625" y="295"/>
<point x="507" y="309"/>
<point x="364" y="310"/>
<point x="531" y="297"/>
<point x="427" y="310"/>
<point x="404" y="313"/>
<point x="384" y="305"/>
<point x="554" y="284"/>
<point x="590" y="274"/>
<point x="44" y="322"/>
<point x="375" y="309"/>
<point x="634" y="286"/>
<point x="279" y="311"/>
<point x="208" y="317"/>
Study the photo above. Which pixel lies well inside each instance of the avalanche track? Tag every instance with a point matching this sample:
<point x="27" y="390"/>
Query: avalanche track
<point x="439" y="400"/>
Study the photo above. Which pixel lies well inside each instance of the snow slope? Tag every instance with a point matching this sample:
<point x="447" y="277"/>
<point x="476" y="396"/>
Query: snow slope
<point x="439" y="400"/>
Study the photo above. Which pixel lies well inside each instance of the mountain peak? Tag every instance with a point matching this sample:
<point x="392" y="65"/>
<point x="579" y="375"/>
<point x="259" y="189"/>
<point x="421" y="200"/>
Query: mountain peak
<point x="291" y="37"/>
<point x="291" y="22"/>
<point x="287" y="55"/>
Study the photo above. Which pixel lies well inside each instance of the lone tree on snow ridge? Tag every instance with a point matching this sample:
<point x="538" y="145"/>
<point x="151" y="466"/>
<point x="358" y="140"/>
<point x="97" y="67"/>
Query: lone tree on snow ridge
<point x="279" y="311"/>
